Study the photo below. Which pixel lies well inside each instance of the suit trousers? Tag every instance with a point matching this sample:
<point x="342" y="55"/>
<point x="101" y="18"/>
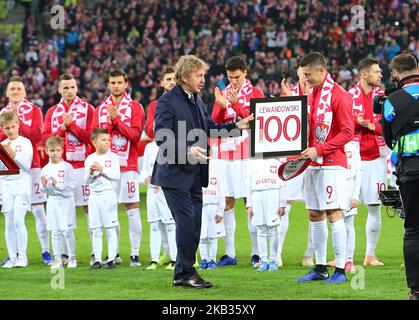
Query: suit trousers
<point x="409" y="192"/>
<point x="186" y="208"/>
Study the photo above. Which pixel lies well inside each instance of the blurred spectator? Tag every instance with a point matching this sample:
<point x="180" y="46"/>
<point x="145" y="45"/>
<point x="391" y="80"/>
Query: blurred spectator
<point x="392" y="50"/>
<point x="31" y="56"/>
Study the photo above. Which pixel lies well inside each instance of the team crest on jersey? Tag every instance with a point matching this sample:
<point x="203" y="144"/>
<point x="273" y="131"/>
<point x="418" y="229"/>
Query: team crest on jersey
<point x="274" y="169"/>
<point x="18" y="148"/>
<point x="108" y="164"/>
<point x="321" y="134"/>
<point x="119" y="142"/>
<point x="72" y="140"/>
<point x="61" y="173"/>
<point x="213" y="180"/>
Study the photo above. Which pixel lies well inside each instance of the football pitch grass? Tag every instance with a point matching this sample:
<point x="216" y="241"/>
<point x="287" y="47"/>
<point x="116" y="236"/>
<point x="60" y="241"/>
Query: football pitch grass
<point x="240" y="282"/>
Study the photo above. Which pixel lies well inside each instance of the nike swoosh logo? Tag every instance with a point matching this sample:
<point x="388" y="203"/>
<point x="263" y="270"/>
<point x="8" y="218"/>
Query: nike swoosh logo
<point x="219" y="232"/>
<point x="329" y="202"/>
<point x="69" y="225"/>
<point x="274" y="220"/>
<point x="129" y="197"/>
<point x="114" y="221"/>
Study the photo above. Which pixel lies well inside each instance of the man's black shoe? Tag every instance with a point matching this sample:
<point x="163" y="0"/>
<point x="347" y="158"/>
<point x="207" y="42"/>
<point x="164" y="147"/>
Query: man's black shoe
<point x="414" y="295"/>
<point x="177" y="283"/>
<point x="194" y="282"/>
<point x="110" y="265"/>
<point x="96" y="265"/>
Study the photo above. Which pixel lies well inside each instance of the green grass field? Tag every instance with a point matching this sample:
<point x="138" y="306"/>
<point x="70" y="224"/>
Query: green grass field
<point x="232" y="283"/>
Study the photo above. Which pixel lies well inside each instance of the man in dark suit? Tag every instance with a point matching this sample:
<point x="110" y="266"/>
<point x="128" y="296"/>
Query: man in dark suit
<point x="182" y="127"/>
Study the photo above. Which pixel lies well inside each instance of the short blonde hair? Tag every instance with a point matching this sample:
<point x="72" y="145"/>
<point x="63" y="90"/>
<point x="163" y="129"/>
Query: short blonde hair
<point x="8" y="116"/>
<point x="186" y="65"/>
<point x="53" y="142"/>
<point x="97" y="132"/>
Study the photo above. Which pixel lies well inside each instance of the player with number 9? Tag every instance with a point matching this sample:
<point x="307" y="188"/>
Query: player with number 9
<point x="325" y="194"/>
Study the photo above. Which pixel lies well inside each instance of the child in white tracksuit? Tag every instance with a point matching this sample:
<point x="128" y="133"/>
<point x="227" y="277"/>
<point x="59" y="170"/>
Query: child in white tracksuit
<point x="158" y="213"/>
<point x="102" y="173"/>
<point x="353" y="182"/>
<point x="354" y="187"/>
<point x="58" y="181"/>
<point x="17" y="191"/>
<point x="290" y="191"/>
<point x="212" y="225"/>
<point x="265" y="207"/>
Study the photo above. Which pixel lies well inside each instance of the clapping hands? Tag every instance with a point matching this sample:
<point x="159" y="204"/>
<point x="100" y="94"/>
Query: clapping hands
<point x="231" y="95"/>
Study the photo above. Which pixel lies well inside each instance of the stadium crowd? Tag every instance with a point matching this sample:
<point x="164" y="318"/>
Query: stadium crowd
<point x="141" y="36"/>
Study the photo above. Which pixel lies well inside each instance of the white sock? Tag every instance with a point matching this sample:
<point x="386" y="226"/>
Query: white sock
<point x="319" y="233"/>
<point x="155" y="240"/>
<point x="282" y="230"/>
<point x="56" y="244"/>
<point x="38" y="211"/>
<point x="273" y="241"/>
<point x="230" y="227"/>
<point x="118" y="236"/>
<point x="112" y="242"/>
<point x="262" y="242"/>
<point x="97" y="244"/>
<point x="90" y="231"/>
<point x="10" y="234"/>
<point x="373" y="229"/>
<point x="310" y="245"/>
<point x="212" y="249"/>
<point x="350" y="235"/>
<point x="171" y="240"/>
<point x="203" y="248"/>
<point x="135" y="230"/>
<point x="339" y="242"/>
<point x="253" y="236"/>
<point x="165" y="241"/>
<point x="21" y="231"/>
<point x="70" y="241"/>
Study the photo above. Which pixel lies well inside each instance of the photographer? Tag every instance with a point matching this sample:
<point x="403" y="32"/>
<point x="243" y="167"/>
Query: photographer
<point x="401" y="132"/>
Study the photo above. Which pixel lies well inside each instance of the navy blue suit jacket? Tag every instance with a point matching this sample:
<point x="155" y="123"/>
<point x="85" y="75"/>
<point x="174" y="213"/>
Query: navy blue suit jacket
<point x="172" y="168"/>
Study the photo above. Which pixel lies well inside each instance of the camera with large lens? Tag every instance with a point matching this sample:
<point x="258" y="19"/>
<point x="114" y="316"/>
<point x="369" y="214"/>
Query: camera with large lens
<point x="378" y="103"/>
<point x="392" y="199"/>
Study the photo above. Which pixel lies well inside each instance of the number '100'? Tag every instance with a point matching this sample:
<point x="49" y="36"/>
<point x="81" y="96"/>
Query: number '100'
<point x="282" y="128"/>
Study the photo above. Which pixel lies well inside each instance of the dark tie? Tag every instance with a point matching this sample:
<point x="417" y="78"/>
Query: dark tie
<point x="195" y="111"/>
<point x="192" y="99"/>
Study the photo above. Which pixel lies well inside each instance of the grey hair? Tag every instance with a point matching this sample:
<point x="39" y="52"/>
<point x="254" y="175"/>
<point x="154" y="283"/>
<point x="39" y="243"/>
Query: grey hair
<point x="186" y="65"/>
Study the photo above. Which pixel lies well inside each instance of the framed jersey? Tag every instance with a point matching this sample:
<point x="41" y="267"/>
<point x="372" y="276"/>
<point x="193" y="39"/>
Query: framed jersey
<point x="8" y="166"/>
<point x="280" y="126"/>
